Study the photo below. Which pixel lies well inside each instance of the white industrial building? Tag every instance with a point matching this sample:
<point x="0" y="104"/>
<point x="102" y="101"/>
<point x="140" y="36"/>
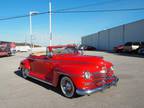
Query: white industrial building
<point x="107" y="39"/>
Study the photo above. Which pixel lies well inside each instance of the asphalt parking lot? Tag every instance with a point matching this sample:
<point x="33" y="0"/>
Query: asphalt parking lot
<point x="16" y="92"/>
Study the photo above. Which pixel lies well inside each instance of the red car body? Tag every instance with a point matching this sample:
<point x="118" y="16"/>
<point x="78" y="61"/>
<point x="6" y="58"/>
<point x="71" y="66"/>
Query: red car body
<point x="88" y="74"/>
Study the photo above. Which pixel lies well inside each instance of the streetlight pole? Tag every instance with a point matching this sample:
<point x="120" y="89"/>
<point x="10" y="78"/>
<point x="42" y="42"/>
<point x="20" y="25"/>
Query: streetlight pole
<point x="50" y="22"/>
<point x="30" y="17"/>
<point x="30" y="14"/>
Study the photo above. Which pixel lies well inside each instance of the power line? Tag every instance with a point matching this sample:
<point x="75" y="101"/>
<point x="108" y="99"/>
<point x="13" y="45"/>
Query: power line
<point x="78" y="11"/>
<point x="59" y="10"/>
<point x="14" y="17"/>
<point x="111" y="10"/>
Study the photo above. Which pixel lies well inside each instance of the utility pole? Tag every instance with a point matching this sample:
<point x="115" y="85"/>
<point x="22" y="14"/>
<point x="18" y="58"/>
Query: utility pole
<point x="30" y="15"/>
<point x="50" y="22"/>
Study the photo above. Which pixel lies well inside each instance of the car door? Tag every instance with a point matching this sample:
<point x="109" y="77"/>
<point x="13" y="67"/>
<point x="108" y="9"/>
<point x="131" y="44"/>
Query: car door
<point x="42" y="68"/>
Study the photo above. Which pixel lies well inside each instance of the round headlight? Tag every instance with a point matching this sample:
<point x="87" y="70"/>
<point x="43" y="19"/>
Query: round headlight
<point x="103" y="70"/>
<point x="87" y="75"/>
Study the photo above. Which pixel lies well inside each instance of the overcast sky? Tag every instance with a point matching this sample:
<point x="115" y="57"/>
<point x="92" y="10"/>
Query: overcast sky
<point x="66" y="27"/>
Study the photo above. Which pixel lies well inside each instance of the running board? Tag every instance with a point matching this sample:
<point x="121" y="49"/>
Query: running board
<point x="41" y="80"/>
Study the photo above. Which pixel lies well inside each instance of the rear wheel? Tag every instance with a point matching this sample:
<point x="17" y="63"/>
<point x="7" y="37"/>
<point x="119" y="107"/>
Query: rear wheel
<point x="25" y="73"/>
<point x="67" y="87"/>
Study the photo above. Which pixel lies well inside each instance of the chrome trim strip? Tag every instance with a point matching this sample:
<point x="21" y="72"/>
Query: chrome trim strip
<point x="41" y="80"/>
<point x="88" y="92"/>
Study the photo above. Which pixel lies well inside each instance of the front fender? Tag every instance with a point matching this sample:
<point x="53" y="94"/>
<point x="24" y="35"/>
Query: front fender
<point x="58" y="73"/>
<point x="75" y="73"/>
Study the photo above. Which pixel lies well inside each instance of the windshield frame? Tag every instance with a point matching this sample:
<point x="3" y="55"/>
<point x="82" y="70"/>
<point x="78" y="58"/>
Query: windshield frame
<point x="50" y="50"/>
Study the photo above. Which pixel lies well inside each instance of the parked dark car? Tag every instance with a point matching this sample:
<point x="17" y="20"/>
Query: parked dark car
<point x="131" y="47"/>
<point x="128" y="47"/>
<point x="85" y="47"/>
<point x="141" y="48"/>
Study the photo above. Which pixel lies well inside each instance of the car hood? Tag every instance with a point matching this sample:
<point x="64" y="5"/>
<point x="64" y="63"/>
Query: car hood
<point x="81" y="59"/>
<point x="76" y="64"/>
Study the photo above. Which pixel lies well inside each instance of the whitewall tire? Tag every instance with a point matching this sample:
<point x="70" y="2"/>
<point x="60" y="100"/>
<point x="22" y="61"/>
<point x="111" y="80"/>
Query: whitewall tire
<point x="67" y="87"/>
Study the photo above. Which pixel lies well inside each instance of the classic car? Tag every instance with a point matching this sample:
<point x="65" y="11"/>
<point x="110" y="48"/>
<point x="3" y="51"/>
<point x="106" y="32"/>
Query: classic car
<point x="74" y="73"/>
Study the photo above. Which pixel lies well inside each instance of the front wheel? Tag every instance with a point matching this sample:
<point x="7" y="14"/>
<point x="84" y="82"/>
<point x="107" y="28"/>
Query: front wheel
<point x="67" y="87"/>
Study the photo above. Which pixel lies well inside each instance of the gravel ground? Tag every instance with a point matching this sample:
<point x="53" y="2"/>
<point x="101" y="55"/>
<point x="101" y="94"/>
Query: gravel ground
<point x="16" y="92"/>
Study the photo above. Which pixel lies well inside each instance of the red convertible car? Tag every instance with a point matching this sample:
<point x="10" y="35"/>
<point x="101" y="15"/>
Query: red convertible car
<point x="65" y="67"/>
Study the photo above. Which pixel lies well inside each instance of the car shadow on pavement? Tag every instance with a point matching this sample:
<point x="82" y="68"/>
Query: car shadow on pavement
<point x="124" y="54"/>
<point x="129" y="54"/>
<point x="46" y="86"/>
<point x="4" y="56"/>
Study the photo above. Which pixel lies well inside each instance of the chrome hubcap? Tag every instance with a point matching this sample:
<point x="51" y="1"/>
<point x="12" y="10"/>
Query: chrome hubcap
<point x="67" y="87"/>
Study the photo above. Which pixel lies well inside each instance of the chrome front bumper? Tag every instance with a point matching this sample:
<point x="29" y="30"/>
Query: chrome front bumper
<point x="88" y="92"/>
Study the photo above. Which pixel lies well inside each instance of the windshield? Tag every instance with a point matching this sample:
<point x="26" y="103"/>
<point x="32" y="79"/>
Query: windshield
<point x="64" y="50"/>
